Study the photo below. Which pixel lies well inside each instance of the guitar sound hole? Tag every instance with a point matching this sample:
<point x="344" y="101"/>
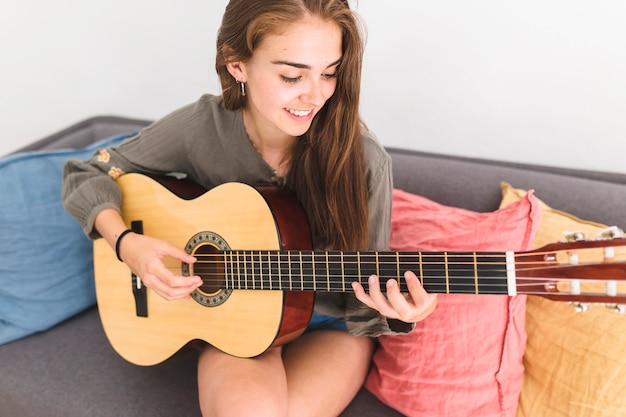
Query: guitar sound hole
<point x="207" y="248"/>
<point x="209" y="267"/>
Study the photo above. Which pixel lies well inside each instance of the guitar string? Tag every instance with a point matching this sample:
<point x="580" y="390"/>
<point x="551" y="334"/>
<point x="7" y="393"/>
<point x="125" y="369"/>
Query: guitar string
<point x="217" y="277"/>
<point x="271" y="259"/>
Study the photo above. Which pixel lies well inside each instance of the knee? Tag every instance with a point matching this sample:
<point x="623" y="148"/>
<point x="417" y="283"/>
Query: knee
<point x="234" y="387"/>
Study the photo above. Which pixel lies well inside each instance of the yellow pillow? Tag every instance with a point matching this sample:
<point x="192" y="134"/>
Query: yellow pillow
<point x="575" y="363"/>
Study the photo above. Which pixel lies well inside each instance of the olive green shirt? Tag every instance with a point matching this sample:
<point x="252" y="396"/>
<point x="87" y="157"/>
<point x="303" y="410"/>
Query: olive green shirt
<point x="209" y="145"/>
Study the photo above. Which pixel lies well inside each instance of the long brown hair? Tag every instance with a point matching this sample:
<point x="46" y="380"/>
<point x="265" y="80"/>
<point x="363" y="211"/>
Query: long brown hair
<point x="328" y="170"/>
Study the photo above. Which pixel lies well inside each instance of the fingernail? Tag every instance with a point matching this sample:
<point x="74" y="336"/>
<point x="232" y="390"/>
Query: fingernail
<point x="391" y="283"/>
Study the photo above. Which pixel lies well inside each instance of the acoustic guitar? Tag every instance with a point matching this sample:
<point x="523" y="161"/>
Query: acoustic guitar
<point x="260" y="273"/>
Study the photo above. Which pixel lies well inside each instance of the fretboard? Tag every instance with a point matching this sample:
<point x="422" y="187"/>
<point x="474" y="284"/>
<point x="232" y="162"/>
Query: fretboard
<point x="334" y="271"/>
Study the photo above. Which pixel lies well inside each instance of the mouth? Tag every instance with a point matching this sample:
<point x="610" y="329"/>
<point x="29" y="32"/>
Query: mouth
<point x="302" y="114"/>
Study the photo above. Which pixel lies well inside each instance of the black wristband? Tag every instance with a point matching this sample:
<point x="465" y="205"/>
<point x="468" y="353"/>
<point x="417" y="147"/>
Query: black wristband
<point x="117" y="244"/>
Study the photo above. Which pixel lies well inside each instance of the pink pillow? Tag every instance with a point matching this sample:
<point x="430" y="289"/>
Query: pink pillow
<point x="466" y="358"/>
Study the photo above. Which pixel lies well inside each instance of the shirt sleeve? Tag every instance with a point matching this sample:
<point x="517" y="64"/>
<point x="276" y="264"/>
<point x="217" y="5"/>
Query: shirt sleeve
<point x="360" y="319"/>
<point x="89" y="186"/>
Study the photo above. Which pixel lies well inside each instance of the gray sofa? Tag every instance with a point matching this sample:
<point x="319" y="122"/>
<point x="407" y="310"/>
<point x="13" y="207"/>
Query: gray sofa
<point x="71" y="371"/>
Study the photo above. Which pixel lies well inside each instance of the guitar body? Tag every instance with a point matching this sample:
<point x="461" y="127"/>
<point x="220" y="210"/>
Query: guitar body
<point x="247" y="322"/>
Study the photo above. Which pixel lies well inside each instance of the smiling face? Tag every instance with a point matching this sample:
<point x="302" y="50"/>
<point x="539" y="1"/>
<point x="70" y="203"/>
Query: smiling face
<point x="289" y="78"/>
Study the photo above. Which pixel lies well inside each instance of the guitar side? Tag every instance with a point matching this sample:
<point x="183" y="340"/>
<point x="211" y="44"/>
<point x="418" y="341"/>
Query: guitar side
<point x="246" y="324"/>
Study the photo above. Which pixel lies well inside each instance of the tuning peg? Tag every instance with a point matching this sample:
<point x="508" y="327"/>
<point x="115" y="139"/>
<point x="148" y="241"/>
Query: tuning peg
<point x="611" y="233"/>
<point x="580" y="307"/>
<point x="618" y="308"/>
<point x="574" y="236"/>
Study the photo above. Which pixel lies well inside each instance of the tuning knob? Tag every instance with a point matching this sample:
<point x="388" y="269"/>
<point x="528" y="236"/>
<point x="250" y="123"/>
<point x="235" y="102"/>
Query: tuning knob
<point x="580" y="307"/>
<point x="573" y="236"/>
<point x="611" y="233"/>
<point x="618" y="308"/>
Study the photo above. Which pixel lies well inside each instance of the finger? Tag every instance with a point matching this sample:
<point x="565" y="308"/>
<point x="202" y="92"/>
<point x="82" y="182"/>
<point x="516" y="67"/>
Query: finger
<point x="172" y="292"/>
<point x="167" y="284"/>
<point x="381" y="303"/>
<point x="403" y="308"/>
<point x="177" y="253"/>
<point x="362" y="295"/>
<point x="359" y="292"/>
<point x="414" y="286"/>
<point x="423" y="301"/>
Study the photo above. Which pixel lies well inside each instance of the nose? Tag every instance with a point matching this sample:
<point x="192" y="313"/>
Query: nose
<point x="314" y="93"/>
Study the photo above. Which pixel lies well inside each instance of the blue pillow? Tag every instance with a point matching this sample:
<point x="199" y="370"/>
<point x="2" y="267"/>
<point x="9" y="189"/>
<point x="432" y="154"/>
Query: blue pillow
<point x="46" y="262"/>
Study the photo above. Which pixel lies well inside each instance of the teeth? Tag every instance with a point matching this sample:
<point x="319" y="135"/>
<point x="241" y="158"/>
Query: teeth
<point x="300" y="113"/>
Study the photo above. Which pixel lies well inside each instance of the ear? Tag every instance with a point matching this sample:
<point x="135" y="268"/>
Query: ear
<point x="235" y="67"/>
<point x="237" y="70"/>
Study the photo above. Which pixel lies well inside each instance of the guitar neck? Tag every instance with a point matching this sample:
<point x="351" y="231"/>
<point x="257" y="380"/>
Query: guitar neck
<point x="334" y="271"/>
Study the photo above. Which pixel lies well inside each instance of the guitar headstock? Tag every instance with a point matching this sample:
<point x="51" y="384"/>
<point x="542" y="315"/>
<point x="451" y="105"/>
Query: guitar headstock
<point x="579" y="270"/>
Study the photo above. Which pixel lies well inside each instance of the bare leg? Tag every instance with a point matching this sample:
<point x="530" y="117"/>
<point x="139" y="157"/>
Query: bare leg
<point x="316" y="375"/>
<point x="325" y="369"/>
<point x="230" y="386"/>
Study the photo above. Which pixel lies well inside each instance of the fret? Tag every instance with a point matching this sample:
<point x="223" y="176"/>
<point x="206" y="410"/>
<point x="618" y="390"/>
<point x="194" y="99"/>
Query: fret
<point x="433" y="272"/>
<point x="313" y="271"/>
<point x="319" y="275"/>
<point x="398" y="264"/>
<point x="446" y="268"/>
<point x="238" y="271"/>
<point x="343" y="271"/>
<point x="335" y="271"/>
<point x="260" y="270"/>
<point x="368" y="264"/>
<point x="409" y="261"/>
<point x="248" y="262"/>
<point x="301" y="273"/>
<point x="270" y="270"/>
<point x="461" y="267"/>
<point x="328" y="274"/>
<point x="249" y="267"/>
<point x="475" y="259"/>
<point x="388" y="268"/>
<point x="280" y="270"/>
<point x="290" y="271"/>
<point x="492" y="272"/>
<point x="243" y="270"/>
<point x="235" y="269"/>
<point x="255" y="270"/>
<point x="272" y="264"/>
<point x="264" y="270"/>
<point x="421" y="267"/>
<point x="350" y="268"/>
<point x="228" y="272"/>
<point x="377" y="265"/>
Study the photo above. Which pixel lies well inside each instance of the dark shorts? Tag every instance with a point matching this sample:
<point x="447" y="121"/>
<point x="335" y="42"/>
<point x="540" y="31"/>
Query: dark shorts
<point x="322" y="322"/>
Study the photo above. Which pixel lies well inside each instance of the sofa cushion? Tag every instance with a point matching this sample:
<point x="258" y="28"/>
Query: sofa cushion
<point x="575" y="362"/>
<point x="466" y="358"/>
<point x="46" y="273"/>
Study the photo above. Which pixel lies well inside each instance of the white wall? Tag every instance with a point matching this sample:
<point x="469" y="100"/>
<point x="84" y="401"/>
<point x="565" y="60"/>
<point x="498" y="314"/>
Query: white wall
<point x="535" y="80"/>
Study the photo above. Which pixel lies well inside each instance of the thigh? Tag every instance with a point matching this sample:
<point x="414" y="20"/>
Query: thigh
<point x="325" y="369"/>
<point x="231" y="386"/>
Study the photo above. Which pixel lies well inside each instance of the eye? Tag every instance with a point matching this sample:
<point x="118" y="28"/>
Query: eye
<point x="290" y="80"/>
<point x="329" y="76"/>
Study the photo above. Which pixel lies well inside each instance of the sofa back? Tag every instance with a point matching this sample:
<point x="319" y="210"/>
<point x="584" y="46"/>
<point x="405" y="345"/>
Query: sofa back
<point x="474" y="184"/>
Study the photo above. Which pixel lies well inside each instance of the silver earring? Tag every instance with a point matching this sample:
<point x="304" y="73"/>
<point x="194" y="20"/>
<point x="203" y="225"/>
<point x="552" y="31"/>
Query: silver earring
<point x="243" y="88"/>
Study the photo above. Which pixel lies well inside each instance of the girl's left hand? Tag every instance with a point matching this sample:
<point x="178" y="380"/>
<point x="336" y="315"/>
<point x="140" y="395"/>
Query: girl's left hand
<point x="412" y="307"/>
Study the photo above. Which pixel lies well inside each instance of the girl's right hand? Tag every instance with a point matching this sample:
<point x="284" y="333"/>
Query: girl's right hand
<point x="143" y="255"/>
